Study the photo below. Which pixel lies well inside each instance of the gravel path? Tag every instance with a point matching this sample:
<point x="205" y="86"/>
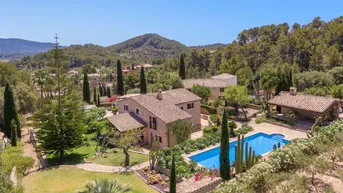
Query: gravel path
<point x="29" y="150"/>
<point x="101" y="168"/>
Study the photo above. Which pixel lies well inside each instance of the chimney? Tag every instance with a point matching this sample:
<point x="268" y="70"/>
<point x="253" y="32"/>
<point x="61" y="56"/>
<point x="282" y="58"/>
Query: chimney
<point x="293" y="91"/>
<point x="159" y="94"/>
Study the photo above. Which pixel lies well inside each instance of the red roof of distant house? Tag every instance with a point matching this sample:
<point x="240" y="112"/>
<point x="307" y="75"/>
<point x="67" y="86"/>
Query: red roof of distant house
<point x="113" y="98"/>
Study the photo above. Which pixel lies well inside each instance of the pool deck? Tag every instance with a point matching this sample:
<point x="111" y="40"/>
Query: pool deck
<point x="266" y="128"/>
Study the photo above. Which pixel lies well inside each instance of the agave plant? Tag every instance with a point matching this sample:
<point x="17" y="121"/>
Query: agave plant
<point x="105" y="186"/>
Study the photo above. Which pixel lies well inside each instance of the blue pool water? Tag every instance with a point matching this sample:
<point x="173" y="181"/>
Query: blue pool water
<point x="260" y="142"/>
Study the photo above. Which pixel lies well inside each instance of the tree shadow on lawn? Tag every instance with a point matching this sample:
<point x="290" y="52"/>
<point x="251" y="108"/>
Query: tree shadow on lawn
<point x="69" y="159"/>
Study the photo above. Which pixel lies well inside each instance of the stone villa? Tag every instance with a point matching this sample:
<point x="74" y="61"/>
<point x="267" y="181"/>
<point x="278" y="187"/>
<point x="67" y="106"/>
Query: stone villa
<point x="216" y="83"/>
<point x="154" y="112"/>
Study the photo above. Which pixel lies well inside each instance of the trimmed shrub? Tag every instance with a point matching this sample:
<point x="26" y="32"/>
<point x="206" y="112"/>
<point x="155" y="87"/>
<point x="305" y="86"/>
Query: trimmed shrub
<point x="210" y="109"/>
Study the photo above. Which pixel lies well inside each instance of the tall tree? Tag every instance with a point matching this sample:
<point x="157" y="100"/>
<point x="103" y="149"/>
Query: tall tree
<point x="172" y="183"/>
<point x="10" y="113"/>
<point x="182" y="68"/>
<point x="100" y="90"/>
<point x="61" y="124"/>
<point x="224" y="160"/>
<point x="120" y="83"/>
<point x="94" y="96"/>
<point x="108" y="92"/>
<point x="13" y="133"/>
<point x="98" y="104"/>
<point x="86" y="91"/>
<point x="143" y="87"/>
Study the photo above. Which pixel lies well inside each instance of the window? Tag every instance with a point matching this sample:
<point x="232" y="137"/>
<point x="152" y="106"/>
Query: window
<point x="137" y="111"/>
<point x="222" y="89"/>
<point x="152" y="122"/>
<point x="190" y="106"/>
<point x="160" y="139"/>
<point x="126" y="107"/>
<point x="181" y="108"/>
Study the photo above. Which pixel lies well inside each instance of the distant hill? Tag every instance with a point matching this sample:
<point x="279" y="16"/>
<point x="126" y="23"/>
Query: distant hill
<point x="13" y="48"/>
<point x="210" y="47"/>
<point x="149" y="46"/>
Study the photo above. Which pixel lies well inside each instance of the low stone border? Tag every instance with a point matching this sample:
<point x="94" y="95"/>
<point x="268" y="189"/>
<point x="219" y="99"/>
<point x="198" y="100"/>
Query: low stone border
<point x="278" y="124"/>
<point x="133" y="151"/>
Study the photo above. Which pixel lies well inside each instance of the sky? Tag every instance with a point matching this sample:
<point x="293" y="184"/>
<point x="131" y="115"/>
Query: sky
<point x="191" y="22"/>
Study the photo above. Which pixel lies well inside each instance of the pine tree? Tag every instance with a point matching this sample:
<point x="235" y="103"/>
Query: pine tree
<point x="120" y="83"/>
<point x="182" y="69"/>
<point x="172" y="184"/>
<point x="143" y="88"/>
<point x="61" y="124"/>
<point x="224" y="160"/>
<point x="86" y="92"/>
<point x="13" y="133"/>
<point x="94" y="96"/>
<point x="10" y="113"/>
<point x="108" y="92"/>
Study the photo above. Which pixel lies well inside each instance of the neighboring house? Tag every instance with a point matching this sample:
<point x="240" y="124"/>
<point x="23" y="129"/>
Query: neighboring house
<point x="154" y="112"/>
<point x="305" y="106"/>
<point x="216" y="83"/>
<point x="146" y="66"/>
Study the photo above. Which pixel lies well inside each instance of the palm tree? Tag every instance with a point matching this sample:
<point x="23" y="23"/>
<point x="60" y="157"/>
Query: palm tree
<point x="40" y="78"/>
<point x="105" y="186"/>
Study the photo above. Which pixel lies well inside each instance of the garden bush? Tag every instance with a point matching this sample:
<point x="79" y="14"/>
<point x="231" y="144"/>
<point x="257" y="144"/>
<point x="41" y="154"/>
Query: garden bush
<point x="244" y="130"/>
<point x="210" y="129"/>
<point x="213" y="118"/>
<point x="210" y="109"/>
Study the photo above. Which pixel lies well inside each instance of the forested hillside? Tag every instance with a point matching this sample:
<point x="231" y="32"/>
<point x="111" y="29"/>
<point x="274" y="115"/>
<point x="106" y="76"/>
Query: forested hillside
<point x="149" y="46"/>
<point x="13" y="48"/>
<point x="280" y="51"/>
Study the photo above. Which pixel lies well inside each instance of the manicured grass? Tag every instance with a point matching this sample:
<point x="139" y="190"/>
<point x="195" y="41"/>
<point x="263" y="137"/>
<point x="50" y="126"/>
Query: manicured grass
<point x="116" y="157"/>
<point x="69" y="179"/>
<point x="113" y="157"/>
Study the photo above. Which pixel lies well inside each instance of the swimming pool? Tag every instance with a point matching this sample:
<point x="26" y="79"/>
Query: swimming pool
<point x="260" y="142"/>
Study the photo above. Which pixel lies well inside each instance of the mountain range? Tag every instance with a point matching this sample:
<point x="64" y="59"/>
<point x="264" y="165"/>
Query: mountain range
<point x="143" y="48"/>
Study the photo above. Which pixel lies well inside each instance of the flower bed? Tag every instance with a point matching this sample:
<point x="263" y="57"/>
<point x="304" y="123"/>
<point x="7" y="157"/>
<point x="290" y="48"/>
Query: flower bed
<point x="156" y="180"/>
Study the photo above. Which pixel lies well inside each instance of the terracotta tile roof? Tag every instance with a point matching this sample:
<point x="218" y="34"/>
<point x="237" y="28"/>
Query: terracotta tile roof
<point x="163" y="109"/>
<point x="126" y="121"/>
<point x="305" y="102"/>
<point x="214" y="83"/>
<point x="178" y="96"/>
<point x="223" y="76"/>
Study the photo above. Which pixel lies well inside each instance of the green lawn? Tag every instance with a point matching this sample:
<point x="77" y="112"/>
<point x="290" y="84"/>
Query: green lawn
<point x="65" y="179"/>
<point x="113" y="157"/>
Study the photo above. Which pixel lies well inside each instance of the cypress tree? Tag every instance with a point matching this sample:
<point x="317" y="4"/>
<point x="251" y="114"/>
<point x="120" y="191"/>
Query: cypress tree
<point x="86" y="92"/>
<point x="224" y="160"/>
<point x="172" y="184"/>
<point x="143" y="88"/>
<point x="100" y="89"/>
<point x="98" y="100"/>
<point x="94" y="96"/>
<point x="182" y="69"/>
<point x="10" y="113"/>
<point x="120" y="83"/>
<point x="13" y="133"/>
<point x="108" y="92"/>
